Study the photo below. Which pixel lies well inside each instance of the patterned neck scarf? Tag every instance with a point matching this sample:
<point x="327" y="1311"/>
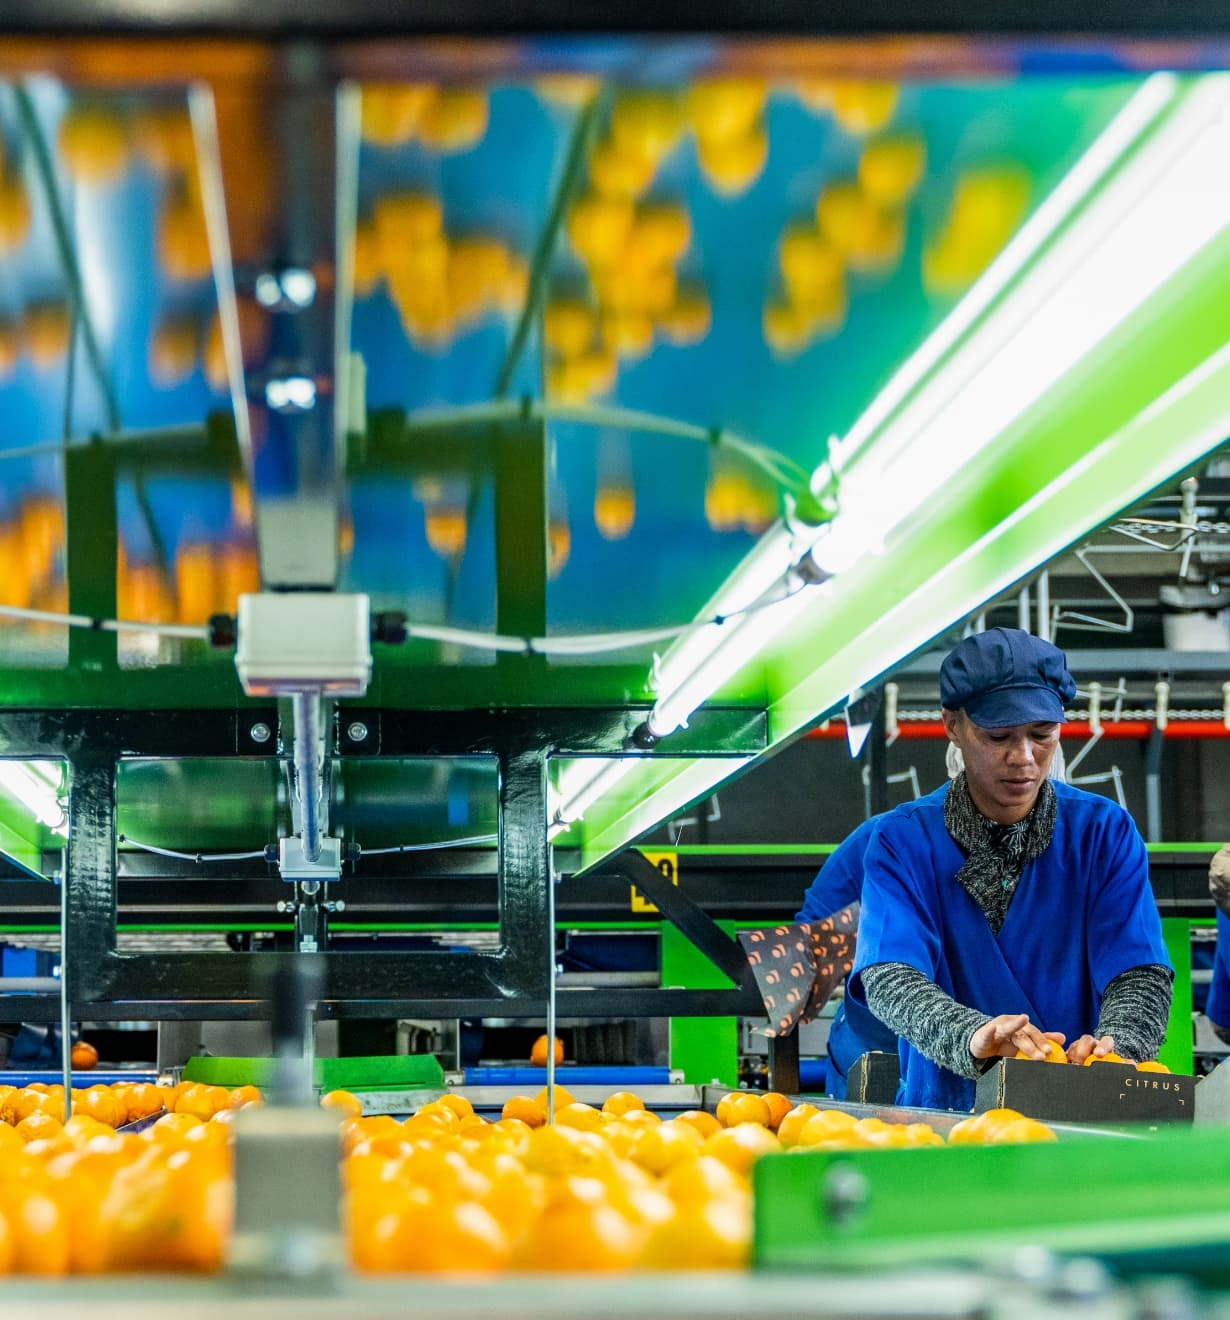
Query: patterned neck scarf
<point x="996" y="854"/>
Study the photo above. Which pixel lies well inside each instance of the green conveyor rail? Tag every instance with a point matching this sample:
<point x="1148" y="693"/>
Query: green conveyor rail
<point x="1141" y="1206"/>
<point x="360" y="1073"/>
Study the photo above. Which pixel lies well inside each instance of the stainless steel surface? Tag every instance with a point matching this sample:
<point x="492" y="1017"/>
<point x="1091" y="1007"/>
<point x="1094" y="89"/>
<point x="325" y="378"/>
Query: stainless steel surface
<point x="727" y="1296"/>
<point x="306" y="706"/>
<point x="287" y="1192"/>
<point x="66" y="1046"/>
<point x="35" y="985"/>
<point x="493" y="1097"/>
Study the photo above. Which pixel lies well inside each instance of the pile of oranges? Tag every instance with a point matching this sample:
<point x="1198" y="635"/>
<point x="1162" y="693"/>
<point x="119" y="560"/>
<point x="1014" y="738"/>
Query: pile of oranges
<point x="79" y="1197"/>
<point x="605" y="1189"/>
<point x="1055" y="1053"/>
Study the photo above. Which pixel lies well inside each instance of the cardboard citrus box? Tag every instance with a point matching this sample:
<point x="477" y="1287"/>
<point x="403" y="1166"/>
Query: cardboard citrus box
<point x="873" y="1079"/>
<point x="1099" y="1093"/>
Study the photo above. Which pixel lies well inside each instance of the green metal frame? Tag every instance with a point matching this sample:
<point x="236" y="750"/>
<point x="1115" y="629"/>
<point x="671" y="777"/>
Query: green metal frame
<point x="703" y="1049"/>
<point x="1145" y="1204"/>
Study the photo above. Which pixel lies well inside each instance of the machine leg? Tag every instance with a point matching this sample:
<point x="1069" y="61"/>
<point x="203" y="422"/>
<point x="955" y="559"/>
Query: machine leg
<point x="784" y="1063"/>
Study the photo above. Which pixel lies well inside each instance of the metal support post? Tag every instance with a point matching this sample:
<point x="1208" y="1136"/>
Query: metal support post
<point x="1153" y="786"/>
<point x="877" y="764"/>
<point x="1044" y="606"/>
<point x="784" y="1063"/>
<point x="308" y="779"/>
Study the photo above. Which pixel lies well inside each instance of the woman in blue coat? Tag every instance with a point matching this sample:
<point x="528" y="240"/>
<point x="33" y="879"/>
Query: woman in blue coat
<point x="838" y="883"/>
<point x="1003" y="909"/>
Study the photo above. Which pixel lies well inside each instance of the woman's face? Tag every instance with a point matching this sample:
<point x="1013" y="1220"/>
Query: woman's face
<point x="1004" y="768"/>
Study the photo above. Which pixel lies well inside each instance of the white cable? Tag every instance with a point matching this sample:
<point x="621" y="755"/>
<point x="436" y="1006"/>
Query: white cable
<point x="473" y="842"/>
<point x="186" y="856"/>
<point x="104" y="625"/>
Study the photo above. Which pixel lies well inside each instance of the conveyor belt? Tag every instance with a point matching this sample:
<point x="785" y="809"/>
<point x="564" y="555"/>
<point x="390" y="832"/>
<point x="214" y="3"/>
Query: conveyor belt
<point x="81" y="1077"/>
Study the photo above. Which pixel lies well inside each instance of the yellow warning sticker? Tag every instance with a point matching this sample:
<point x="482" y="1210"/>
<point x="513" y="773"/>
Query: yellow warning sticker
<point x="668" y="864"/>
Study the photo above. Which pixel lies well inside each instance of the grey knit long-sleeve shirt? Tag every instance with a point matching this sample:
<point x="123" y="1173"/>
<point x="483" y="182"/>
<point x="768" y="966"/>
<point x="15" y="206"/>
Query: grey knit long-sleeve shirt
<point x="1135" y="1009"/>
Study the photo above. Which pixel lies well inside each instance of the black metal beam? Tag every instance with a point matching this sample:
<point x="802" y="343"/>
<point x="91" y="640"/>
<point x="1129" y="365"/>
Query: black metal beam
<point x="604" y="1003"/>
<point x="452" y="887"/>
<point x="175" y="734"/>
<point x="378" y="18"/>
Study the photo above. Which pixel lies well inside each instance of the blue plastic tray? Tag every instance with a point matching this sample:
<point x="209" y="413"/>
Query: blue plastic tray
<point x="569" y="1075"/>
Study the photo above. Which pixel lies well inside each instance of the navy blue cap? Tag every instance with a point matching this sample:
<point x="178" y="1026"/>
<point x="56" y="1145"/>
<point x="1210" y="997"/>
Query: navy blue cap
<point x="1006" y="676"/>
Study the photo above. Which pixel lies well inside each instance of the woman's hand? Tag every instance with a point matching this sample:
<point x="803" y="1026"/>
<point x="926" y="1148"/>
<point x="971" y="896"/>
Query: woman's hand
<point x="1084" y="1046"/>
<point x="1010" y="1034"/>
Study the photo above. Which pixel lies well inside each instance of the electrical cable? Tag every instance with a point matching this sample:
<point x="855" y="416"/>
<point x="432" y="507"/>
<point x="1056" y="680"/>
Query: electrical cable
<point x="575" y="644"/>
<point x="783" y="471"/>
<point x="472" y="842"/>
<point x="186" y="856"/>
<point x="476" y="840"/>
<point x="195" y="631"/>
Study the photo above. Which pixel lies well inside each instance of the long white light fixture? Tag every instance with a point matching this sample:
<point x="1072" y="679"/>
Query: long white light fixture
<point x="1147" y="196"/>
<point x="1165" y="203"/>
<point x="36" y="785"/>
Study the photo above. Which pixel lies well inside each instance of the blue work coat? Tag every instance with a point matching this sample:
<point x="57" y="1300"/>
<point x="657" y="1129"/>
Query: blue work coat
<point x="1083" y="912"/>
<point x="1217" y="1009"/>
<point x="838" y="883"/>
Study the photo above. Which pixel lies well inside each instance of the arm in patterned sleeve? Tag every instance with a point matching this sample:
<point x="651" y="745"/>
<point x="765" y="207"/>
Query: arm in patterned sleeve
<point x="906" y="1002"/>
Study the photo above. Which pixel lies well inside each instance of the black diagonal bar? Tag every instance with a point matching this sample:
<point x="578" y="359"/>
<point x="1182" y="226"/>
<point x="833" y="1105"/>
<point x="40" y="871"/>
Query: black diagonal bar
<point x="691" y="921"/>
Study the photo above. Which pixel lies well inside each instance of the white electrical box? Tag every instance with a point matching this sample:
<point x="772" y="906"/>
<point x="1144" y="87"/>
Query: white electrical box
<point x="295" y="866"/>
<point x="304" y="641"/>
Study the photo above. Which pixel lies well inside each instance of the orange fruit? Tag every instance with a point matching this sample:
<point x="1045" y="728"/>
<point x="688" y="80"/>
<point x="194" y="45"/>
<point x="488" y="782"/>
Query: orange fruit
<point x="39" y="1233"/>
<point x="826" y="1125"/>
<point x="585" y="1117"/>
<point x="457" y="1103"/>
<point x="1021" y="1130"/>
<point x="744" y="1107"/>
<point x="712" y="1235"/>
<point x="703" y="1179"/>
<point x="981" y="1129"/>
<point x="1055" y="1053"/>
<point x="29" y="1101"/>
<point x="658" y="1148"/>
<point x="790" y="1128"/>
<point x="1152" y="1065"/>
<point x="143" y="1099"/>
<point x="779" y="1107"/>
<point x="563" y="1096"/>
<point x="1112" y="1057"/>
<point x="81" y="1127"/>
<point x="173" y="1214"/>
<point x="703" y="1121"/>
<point x="538" y="1052"/>
<point x="622" y="1102"/>
<point x="639" y="1118"/>
<point x="242" y="1095"/>
<point x="38" y="1127"/>
<point x="741" y="1146"/>
<point x="78" y="1181"/>
<point x="99" y="1103"/>
<point x="575" y="1233"/>
<point x="344" y="1102"/>
<point x="83" y="1055"/>
<point x="170" y="1128"/>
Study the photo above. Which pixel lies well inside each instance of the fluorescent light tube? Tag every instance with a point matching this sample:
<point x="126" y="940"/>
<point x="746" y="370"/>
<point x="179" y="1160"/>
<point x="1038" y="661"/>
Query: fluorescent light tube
<point x="1147" y="196"/>
<point x="32" y="787"/>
